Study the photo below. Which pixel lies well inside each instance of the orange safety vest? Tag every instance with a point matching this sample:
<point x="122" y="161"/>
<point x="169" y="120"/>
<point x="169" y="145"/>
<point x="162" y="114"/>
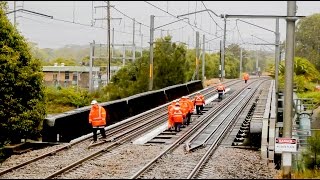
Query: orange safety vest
<point x="170" y="112"/>
<point x="220" y="88"/>
<point x="246" y="76"/>
<point x="191" y="105"/>
<point x="184" y="106"/>
<point x="199" y="100"/>
<point x="97" y="116"/>
<point x="177" y="115"/>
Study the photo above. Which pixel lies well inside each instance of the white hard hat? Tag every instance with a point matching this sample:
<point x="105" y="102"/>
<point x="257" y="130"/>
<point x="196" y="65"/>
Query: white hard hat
<point x="177" y="104"/>
<point x="94" y="102"/>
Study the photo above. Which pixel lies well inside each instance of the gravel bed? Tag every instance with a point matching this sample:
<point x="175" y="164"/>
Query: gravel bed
<point x="121" y="163"/>
<point x="49" y="164"/>
<point x="18" y="159"/>
<point x="175" y="165"/>
<point x="234" y="163"/>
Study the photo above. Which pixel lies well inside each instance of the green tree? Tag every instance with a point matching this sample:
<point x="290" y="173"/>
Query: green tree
<point x="22" y="98"/>
<point x="212" y="65"/>
<point x="38" y="53"/>
<point x="67" y="62"/>
<point x="308" y="39"/>
<point x="311" y="155"/>
<point x="304" y="73"/>
<point x="169" y="63"/>
<point x="190" y="63"/>
<point x="4" y="6"/>
<point x="129" y="80"/>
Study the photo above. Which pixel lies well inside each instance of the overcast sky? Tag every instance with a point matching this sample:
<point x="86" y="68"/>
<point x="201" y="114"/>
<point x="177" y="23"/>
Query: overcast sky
<point x="60" y="31"/>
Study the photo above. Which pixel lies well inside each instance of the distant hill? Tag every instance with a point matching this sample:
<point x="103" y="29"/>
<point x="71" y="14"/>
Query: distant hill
<point x="76" y="52"/>
<point x="70" y="51"/>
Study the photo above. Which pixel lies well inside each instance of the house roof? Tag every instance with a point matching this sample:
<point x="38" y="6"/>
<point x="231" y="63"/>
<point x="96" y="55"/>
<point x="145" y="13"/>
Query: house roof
<point x="69" y="68"/>
<point x="74" y="68"/>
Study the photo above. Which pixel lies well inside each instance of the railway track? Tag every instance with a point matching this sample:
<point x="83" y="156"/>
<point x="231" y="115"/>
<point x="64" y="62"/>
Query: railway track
<point x="175" y="161"/>
<point x="75" y="153"/>
<point x="200" y="169"/>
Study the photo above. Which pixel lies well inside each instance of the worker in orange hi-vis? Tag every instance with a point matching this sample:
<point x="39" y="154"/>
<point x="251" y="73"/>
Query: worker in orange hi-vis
<point x="184" y="105"/>
<point x="189" y="108"/>
<point x="221" y="89"/>
<point x="97" y="119"/>
<point x="199" y="102"/>
<point x="170" y="110"/>
<point x="245" y="77"/>
<point x="177" y="117"/>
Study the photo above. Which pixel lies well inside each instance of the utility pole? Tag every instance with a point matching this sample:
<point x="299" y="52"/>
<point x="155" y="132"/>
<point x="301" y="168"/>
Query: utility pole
<point x="90" y="65"/>
<point x="112" y="44"/>
<point x="197" y="55"/>
<point x="277" y="58"/>
<point x="15" y="13"/>
<point x="108" y="39"/>
<point x="141" y="40"/>
<point x="123" y="55"/>
<point x="108" y="36"/>
<point x="257" y="62"/>
<point x="220" y="65"/>
<point x="223" y="48"/>
<point x="203" y="59"/>
<point x="277" y="61"/>
<point x="133" y="44"/>
<point x="151" y="52"/>
<point x="288" y="89"/>
<point x="240" y="70"/>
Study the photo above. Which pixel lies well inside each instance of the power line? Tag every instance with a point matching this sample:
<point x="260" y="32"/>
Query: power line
<point x="129" y="17"/>
<point x="87" y="25"/>
<point x="136" y="20"/>
<point x="182" y="20"/>
<point x="239" y="32"/>
<point x="211" y="15"/>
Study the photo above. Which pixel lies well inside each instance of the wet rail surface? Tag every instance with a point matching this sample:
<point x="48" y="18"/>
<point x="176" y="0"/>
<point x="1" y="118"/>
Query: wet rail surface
<point x="65" y="173"/>
<point x="173" y="159"/>
<point x="72" y="154"/>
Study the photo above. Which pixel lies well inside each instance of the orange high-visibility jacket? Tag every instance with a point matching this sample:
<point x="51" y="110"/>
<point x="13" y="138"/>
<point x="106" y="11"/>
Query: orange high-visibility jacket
<point x="199" y="100"/>
<point x="246" y="76"/>
<point x="221" y="87"/>
<point x="184" y="106"/>
<point x="191" y="105"/>
<point x="177" y="115"/>
<point x="170" y="112"/>
<point x="97" y="116"/>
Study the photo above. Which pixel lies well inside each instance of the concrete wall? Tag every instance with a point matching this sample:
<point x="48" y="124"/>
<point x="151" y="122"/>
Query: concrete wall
<point x="72" y="124"/>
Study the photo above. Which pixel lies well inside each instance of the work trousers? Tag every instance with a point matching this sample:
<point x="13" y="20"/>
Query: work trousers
<point x="177" y="126"/>
<point x="220" y="92"/>
<point x="199" y="108"/>
<point x="188" y="118"/>
<point x="102" y="132"/>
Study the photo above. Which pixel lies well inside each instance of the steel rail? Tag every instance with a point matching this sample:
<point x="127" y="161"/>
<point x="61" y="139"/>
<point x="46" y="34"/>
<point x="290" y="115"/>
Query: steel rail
<point x="221" y="136"/>
<point x="187" y="134"/>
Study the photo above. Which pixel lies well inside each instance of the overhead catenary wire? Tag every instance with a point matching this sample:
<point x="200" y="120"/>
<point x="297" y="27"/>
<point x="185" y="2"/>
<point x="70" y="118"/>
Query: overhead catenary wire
<point x="136" y="20"/>
<point x="87" y="25"/>
<point x="92" y="24"/>
<point x="192" y="26"/>
<point x="239" y="32"/>
<point x="211" y="15"/>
